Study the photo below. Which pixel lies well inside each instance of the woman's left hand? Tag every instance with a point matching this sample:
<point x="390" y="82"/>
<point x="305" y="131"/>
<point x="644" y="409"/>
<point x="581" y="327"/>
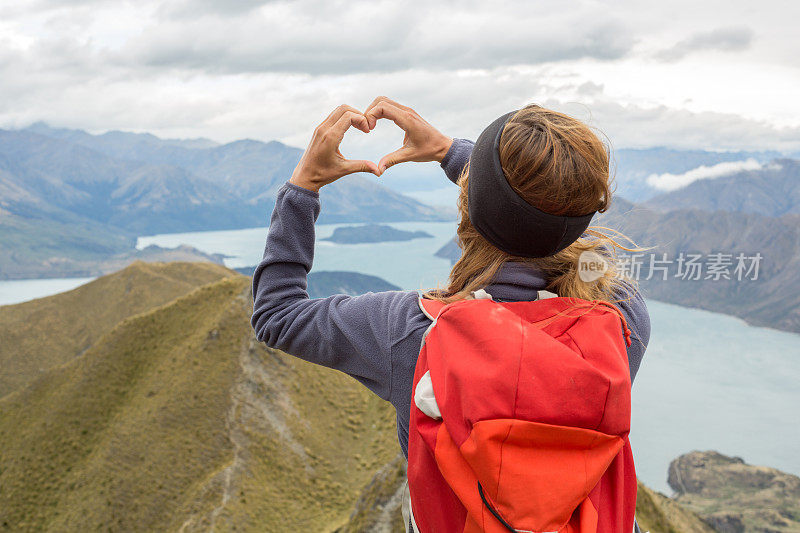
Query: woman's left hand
<point x="322" y="162"/>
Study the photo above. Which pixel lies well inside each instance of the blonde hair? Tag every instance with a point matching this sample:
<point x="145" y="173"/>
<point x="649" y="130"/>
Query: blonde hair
<point x="557" y="164"/>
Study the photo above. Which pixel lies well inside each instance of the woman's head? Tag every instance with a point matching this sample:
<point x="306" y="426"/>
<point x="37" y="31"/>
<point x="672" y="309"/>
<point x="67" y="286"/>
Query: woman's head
<point x="557" y="164"/>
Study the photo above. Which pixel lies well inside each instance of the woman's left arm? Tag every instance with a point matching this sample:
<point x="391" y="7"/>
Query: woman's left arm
<point x="354" y="334"/>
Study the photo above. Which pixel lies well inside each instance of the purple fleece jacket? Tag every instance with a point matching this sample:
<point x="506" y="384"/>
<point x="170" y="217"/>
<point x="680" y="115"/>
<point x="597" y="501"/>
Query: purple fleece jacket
<point x="374" y="337"/>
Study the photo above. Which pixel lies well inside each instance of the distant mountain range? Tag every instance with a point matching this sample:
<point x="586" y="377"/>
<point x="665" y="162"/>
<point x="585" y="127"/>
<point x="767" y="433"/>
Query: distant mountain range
<point x="149" y="405"/>
<point x="143" y="184"/>
<point x="772" y="191"/>
<point x="631" y="168"/>
<point x="771" y="300"/>
<point x="67" y="196"/>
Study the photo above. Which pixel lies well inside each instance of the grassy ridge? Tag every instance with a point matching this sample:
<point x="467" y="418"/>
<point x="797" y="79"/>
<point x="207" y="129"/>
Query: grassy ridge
<point x="176" y="419"/>
<point x="165" y="414"/>
<point x="113" y="439"/>
<point x="50" y="331"/>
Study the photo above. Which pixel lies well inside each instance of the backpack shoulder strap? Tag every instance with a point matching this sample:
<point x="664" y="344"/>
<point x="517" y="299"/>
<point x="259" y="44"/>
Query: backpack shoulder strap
<point x="431" y="308"/>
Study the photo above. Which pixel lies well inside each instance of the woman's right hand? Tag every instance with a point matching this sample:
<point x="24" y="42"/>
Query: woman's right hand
<point x="422" y="142"/>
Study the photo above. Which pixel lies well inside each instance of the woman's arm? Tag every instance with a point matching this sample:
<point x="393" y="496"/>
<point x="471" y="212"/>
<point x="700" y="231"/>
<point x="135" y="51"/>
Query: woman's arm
<point x="353" y="334"/>
<point x="630" y="301"/>
<point x="457" y="158"/>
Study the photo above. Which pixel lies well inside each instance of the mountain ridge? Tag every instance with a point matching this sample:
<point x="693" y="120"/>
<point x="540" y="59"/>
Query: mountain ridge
<point x="175" y="418"/>
<point x="763" y="301"/>
<point x="63" y="202"/>
<point x="773" y="190"/>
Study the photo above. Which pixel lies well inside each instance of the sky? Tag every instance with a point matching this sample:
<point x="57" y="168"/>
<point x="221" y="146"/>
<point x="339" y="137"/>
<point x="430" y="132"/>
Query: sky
<point x="718" y="75"/>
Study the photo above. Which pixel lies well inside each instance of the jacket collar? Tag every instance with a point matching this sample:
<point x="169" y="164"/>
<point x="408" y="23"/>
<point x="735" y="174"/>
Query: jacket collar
<point x="517" y="282"/>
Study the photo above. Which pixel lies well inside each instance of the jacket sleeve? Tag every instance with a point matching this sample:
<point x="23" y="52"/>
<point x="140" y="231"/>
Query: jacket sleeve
<point x="349" y="333"/>
<point x="631" y="302"/>
<point x="456" y="158"/>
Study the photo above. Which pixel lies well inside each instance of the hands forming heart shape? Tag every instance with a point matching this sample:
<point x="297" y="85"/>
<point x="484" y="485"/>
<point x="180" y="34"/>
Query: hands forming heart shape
<point x="323" y="163"/>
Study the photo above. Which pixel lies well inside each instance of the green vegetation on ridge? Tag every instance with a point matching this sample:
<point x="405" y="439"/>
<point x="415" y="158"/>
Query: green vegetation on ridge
<point x="176" y="418"/>
<point x="150" y="406"/>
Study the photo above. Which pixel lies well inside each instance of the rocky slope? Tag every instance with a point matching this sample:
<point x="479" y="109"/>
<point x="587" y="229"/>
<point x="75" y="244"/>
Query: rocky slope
<point x="769" y="300"/>
<point x="735" y="497"/>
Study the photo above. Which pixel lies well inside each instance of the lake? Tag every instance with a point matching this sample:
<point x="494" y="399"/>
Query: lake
<point x="22" y="290"/>
<point x="707" y="381"/>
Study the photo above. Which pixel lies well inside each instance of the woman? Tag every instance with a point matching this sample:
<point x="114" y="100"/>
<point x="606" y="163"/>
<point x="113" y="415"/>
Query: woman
<point x="551" y="161"/>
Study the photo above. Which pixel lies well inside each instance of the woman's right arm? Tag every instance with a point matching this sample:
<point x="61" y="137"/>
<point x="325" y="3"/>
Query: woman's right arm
<point x="457" y="158"/>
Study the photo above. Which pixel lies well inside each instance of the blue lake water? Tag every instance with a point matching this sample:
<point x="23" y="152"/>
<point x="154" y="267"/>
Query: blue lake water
<point x="708" y="381"/>
<point x="407" y="264"/>
<point x="22" y="290"/>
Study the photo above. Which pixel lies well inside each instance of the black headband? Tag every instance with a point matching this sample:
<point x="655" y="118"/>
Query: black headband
<point x="502" y="216"/>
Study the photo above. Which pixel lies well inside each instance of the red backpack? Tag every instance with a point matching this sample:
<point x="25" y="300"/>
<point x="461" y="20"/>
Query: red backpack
<point x="520" y="419"/>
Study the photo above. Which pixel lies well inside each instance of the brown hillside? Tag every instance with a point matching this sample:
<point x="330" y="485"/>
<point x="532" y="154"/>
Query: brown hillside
<point x="177" y="420"/>
<point x="40" y="334"/>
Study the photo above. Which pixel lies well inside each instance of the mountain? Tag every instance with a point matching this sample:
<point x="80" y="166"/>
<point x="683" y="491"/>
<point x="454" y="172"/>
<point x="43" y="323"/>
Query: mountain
<point x="372" y="233"/>
<point x="122" y="144"/>
<point x="170" y="416"/>
<point x="770" y="300"/>
<point x="735" y="497"/>
<point x="773" y="190"/>
<point x="765" y="301"/>
<point x="631" y="167"/>
<point x="48" y="332"/>
<point x="143" y="184"/>
<point x="450" y="250"/>
<point x="68" y="197"/>
<point x="142" y="401"/>
<point x="37" y="245"/>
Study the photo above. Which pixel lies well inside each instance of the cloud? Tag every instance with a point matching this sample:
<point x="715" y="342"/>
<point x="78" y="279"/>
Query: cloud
<point x="632" y="125"/>
<point x="381" y="36"/>
<point x="720" y="39"/>
<point x="671" y="182"/>
<point x="191" y="9"/>
<point x="271" y="69"/>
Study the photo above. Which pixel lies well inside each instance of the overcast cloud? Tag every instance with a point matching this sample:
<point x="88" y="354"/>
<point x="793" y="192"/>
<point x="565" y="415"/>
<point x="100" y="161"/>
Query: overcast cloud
<point x="719" y="39"/>
<point x="716" y="75"/>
